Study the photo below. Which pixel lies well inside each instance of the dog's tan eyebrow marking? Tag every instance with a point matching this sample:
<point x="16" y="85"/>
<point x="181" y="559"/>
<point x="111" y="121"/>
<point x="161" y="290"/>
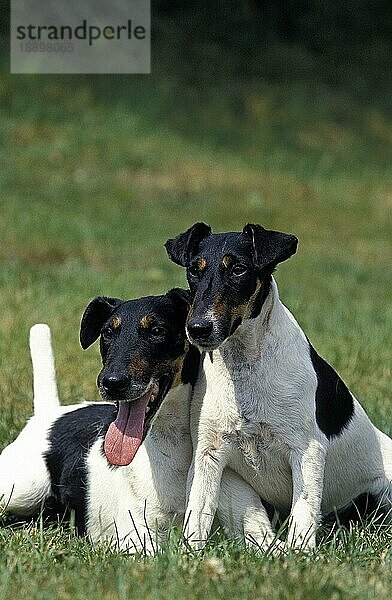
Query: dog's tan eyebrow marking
<point x="226" y="260"/>
<point x="146" y="321"/>
<point x="116" y="322"/>
<point x="202" y="263"/>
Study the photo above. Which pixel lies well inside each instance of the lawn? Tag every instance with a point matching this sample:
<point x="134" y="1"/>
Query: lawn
<point x="95" y="175"/>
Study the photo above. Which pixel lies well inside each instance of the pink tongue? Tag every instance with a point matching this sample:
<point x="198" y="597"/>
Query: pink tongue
<point x="124" y="436"/>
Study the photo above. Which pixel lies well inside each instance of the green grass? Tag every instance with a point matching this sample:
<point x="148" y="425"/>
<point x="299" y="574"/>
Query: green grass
<point x="52" y="563"/>
<point x="96" y="173"/>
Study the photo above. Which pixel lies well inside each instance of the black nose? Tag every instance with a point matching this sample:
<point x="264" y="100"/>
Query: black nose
<point x="199" y="328"/>
<point x="115" y="383"/>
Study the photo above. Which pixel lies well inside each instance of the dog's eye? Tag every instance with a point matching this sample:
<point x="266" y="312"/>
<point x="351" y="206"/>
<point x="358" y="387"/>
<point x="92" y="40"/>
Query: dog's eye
<point x="194" y="271"/>
<point x="158" y="331"/>
<point x="239" y="269"/>
<point x="107" y="334"/>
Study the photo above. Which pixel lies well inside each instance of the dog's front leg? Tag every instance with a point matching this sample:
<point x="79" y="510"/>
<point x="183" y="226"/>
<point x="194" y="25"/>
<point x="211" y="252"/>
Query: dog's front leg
<point x="204" y="481"/>
<point x="308" y="473"/>
<point x="140" y="530"/>
<point x="243" y="515"/>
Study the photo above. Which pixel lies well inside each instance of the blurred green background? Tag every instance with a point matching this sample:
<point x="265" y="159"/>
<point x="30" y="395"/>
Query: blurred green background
<point x="256" y="111"/>
<point x="270" y="112"/>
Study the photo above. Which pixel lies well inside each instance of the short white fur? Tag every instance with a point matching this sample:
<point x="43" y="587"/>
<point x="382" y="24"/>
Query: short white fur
<point x="130" y="507"/>
<point x="254" y="411"/>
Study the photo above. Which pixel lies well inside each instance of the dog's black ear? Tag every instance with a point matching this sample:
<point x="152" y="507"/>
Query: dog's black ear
<point x="182" y="300"/>
<point x="95" y="315"/>
<point x="184" y="246"/>
<point x="181" y="296"/>
<point x="270" y="247"/>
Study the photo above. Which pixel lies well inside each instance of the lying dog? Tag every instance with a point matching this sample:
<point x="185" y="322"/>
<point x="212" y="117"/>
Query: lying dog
<point x="266" y="404"/>
<point x="121" y="465"/>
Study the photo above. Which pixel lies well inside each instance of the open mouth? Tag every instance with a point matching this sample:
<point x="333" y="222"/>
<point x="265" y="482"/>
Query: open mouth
<point x="134" y="418"/>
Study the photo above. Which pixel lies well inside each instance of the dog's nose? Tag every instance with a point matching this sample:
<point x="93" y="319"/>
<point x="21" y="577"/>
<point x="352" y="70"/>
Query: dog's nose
<point x="115" y="383"/>
<point x="200" y="328"/>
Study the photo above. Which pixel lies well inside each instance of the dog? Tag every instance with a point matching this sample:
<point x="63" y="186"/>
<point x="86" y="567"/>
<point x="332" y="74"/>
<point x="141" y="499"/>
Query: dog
<point x="121" y="465"/>
<point x="265" y="403"/>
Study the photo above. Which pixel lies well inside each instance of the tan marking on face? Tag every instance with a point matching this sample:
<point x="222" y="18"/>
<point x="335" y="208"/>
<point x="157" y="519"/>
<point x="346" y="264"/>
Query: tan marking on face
<point x="116" y="322"/>
<point x="146" y="321"/>
<point x="138" y="365"/>
<point x="226" y="261"/>
<point x="219" y="307"/>
<point x="240" y="310"/>
<point x="202" y="263"/>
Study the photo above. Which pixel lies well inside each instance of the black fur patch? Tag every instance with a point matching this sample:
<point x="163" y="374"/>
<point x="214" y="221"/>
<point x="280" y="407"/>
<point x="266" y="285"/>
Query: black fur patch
<point x="237" y="322"/>
<point x="334" y="402"/>
<point x="261" y="297"/>
<point x="70" y="438"/>
<point x="190" y="368"/>
<point x="365" y="505"/>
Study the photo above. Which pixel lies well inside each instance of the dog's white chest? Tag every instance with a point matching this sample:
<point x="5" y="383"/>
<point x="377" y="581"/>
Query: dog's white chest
<point x="241" y="412"/>
<point x="256" y="444"/>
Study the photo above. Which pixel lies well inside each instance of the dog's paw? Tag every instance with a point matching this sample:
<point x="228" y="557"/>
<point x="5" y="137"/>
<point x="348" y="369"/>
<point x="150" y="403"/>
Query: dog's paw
<point x="270" y="546"/>
<point x="305" y="542"/>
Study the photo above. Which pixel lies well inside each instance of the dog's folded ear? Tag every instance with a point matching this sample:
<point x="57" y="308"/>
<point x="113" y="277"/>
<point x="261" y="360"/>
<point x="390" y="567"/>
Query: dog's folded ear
<point x="182" y="301"/>
<point x="182" y="248"/>
<point x="270" y="247"/>
<point x="95" y="315"/>
<point x="180" y="295"/>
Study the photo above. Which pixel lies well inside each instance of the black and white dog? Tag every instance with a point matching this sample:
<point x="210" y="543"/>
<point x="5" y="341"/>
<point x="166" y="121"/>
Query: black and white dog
<point x="265" y="403"/>
<point x="121" y="465"/>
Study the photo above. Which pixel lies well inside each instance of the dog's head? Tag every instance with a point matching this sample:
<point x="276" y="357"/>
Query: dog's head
<point x="228" y="274"/>
<point x="143" y="347"/>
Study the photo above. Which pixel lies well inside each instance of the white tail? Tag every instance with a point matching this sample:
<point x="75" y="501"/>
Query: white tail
<point x="46" y="398"/>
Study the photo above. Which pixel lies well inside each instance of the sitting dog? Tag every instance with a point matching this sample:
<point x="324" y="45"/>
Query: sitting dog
<point x="265" y="403"/>
<point x="121" y="465"/>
